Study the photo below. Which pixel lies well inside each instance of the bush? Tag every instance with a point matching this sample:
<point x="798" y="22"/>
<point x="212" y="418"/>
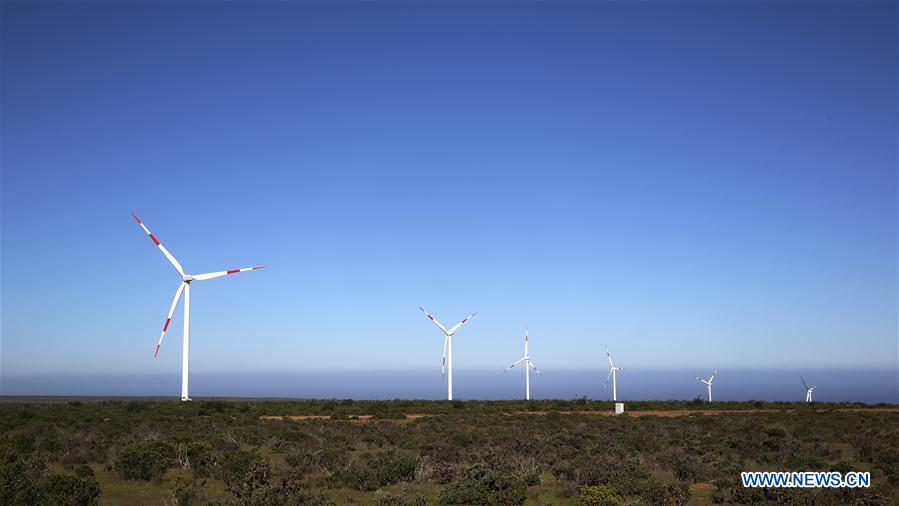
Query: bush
<point x="598" y="495"/>
<point x="667" y="494"/>
<point x="19" y="476"/>
<point x="379" y="469"/>
<point x="73" y="490"/>
<point x="480" y="485"/>
<point x="187" y="492"/>
<point x="287" y="493"/>
<point x="197" y="456"/>
<point x="686" y="471"/>
<point x="244" y="473"/>
<point x="145" y="460"/>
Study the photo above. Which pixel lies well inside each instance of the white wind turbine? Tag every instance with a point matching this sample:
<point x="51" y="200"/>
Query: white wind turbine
<point x="527" y="366"/>
<point x="708" y="383"/>
<point x="447" y="363"/>
<point x="613" y="373"/>
<point x="184" y="288"/>
<point x="808" y="391"/>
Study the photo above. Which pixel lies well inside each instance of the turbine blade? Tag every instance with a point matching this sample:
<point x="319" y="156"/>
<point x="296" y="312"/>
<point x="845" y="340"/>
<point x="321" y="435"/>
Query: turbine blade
<point x="169" y="317"/>
<point x="210" y="275"/>
<point x="531" y="364"/>
<point x="433" y="320"/>
<point x="713" y="376"/>
<point x="454" y="329"/>
<point x="443" y="363"/>
<point x="609" y="355"/>
<point x="803" y="382"/>
<point x="165" y="252"/>
<point x="513" y="365"/>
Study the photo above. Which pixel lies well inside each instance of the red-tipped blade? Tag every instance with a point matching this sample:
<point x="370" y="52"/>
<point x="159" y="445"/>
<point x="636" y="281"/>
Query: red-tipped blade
<point x="210" y="275"/>
<point x="158" y="244"/>
<point x="168" y="319"/>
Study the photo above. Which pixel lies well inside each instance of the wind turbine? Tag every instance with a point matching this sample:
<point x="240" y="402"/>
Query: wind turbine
<point x="447" y="363"/>
<point x="184" y="288"/>
<point x="808" y="391"/>
<point x="613" y="372"/>
<point x="709" y="383"/>
<point x="527" y="366"/>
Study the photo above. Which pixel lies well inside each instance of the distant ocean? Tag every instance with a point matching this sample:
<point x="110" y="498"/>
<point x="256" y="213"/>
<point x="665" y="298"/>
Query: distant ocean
<point x="863" y="385"/>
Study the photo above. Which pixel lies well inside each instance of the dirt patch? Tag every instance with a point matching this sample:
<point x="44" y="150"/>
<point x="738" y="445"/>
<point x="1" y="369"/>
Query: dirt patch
<point x="701" y="486"/>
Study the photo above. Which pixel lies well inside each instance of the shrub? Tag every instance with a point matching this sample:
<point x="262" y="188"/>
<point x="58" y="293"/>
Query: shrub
<point x="187" y="492"/>
<point x="379" y="469"/>
<point x="480" y="485"/>
<point x="330" y="461"/>
<point x="19" y="477"/>
<point x="197" y="456"/>
<point x="73" y="490"/>
<point x="598" y="495"/>
<point x="667" y="494"/>
<point x="404" y="497"/>
<point x="144" y="460"/>
<point x="287" y="493"/>
<point x="244" y="472"/>
<point x="686" y="471"/>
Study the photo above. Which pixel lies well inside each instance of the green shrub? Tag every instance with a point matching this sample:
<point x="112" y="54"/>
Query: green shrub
<point x="686" y="471"/>
<point x="73" y="490"/>
<point x="144" y="460"/>
<point x="667" y="494"/>
<point x="19" y="477"/>
<point x="481" y="485"/>
<point x="187" y="492"/>
<point x="197" y="456"/>
<point x="288" y="493"/>
<point x="244" y="472"/>
<point x="598" y="495"/>
<point x="376" y="470"/>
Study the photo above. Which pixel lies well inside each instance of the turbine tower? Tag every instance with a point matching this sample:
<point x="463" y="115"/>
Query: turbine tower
<point x="184" y="288"/>
<point x="613" y="373"/>
<point x="527" y="366"/>
<point x="808" y="391"/>
<point x="708" y="383"/>
<point x="447" y="364"/>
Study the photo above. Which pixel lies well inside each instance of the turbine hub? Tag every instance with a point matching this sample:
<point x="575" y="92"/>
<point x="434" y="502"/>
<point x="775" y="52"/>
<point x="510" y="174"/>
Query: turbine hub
<point x="188" y="278"/>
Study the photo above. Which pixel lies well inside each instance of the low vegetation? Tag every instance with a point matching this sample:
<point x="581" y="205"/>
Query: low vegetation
<point x="463" y="452"/>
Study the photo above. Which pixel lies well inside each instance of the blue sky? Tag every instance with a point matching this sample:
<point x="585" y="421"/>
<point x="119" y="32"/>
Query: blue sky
<point x="695" y="184"/>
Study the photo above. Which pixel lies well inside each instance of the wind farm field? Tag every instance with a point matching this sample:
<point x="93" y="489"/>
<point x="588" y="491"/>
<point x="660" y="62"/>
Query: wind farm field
<point x="236" y="451"/>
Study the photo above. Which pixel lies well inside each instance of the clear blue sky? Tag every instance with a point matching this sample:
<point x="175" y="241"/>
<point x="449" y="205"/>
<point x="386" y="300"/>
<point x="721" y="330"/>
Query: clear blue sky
<point x="696" y="185"/>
